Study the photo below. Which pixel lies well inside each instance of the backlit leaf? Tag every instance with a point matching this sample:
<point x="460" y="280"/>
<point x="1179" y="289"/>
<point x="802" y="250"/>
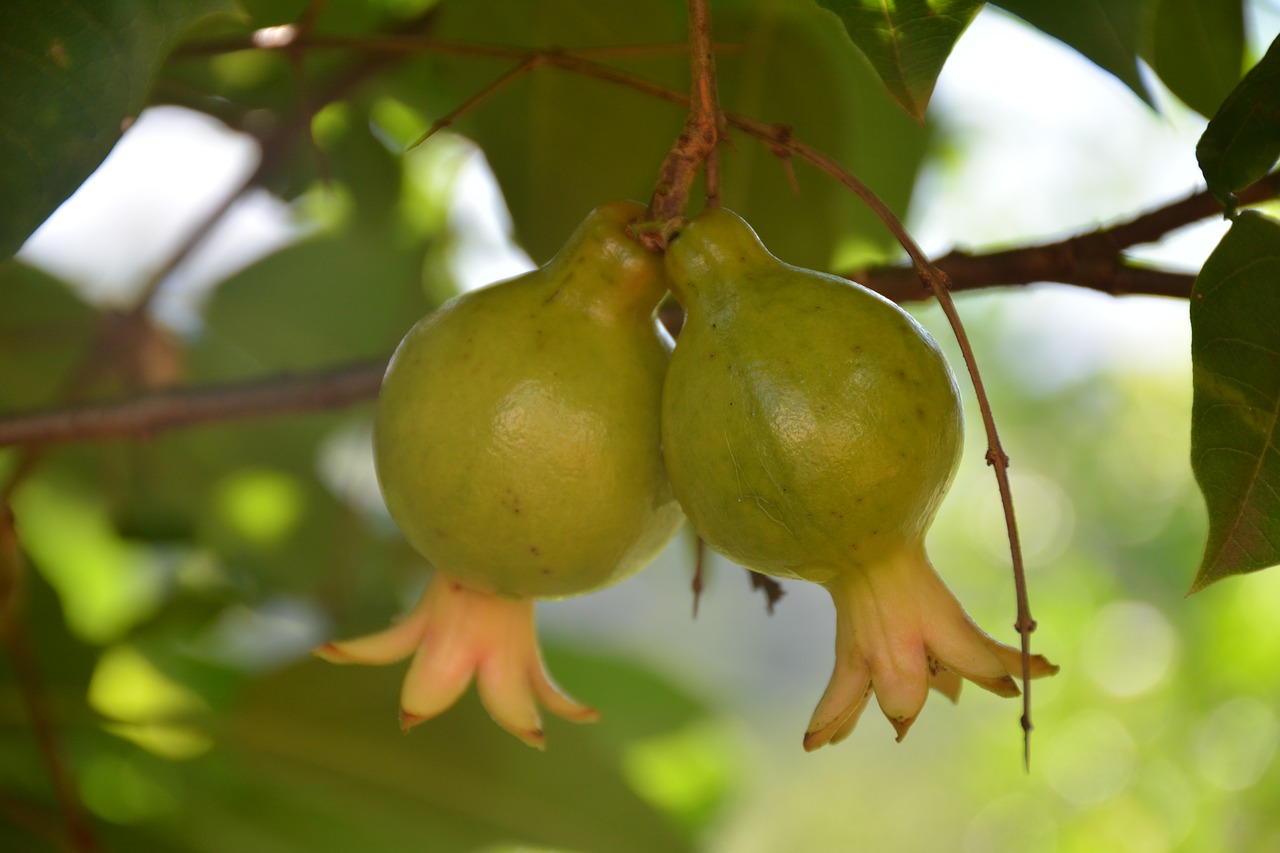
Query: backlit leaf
<point x="1235" y="417"/>
<point x="907" y="42"/>
<point x="1242" y="141"/>
<point x="1198" y="49"/>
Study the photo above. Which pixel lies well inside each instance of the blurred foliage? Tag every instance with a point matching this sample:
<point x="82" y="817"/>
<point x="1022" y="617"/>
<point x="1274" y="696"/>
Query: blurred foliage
<point x="170" y="588"/>
<point x="1197" y="48"/>
<point x="1109" y="33"/>
<point x="59" y="112"/>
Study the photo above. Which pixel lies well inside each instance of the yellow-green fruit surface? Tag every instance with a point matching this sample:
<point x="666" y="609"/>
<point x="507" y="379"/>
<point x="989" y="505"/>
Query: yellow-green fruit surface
<point x="810" y="426"/>
<point x="517" y="431"/>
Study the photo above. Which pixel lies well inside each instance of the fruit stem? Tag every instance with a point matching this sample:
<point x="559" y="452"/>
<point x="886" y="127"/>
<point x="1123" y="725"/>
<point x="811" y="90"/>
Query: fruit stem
<point x="698" y="141"/>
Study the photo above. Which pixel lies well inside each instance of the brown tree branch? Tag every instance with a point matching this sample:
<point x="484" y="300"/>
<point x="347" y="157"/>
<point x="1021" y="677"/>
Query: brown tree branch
<point x="1093" y="259"/>
<point x="1054" y="262"/>
<point x="144" y="415"/>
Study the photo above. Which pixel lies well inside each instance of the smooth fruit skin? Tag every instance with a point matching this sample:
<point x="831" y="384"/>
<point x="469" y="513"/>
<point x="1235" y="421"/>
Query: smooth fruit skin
<point x="517" y="445"/>
<point x="517" y="431"/>
<point x="823" y="412"/>
<point x="811" y="429"/>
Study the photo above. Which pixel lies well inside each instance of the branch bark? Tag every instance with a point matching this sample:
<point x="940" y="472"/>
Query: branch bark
<point x="143" y="416"/>
<point x="1093" y="259"/>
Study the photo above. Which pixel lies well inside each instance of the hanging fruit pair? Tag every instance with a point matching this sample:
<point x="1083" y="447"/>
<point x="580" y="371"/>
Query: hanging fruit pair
<point x="811" y="429"/>
<point x="516" y="441"/>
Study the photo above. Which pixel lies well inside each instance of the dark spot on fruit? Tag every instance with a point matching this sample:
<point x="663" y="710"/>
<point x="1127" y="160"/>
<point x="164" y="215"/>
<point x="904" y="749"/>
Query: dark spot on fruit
<point x="534" y="550"/>
<point x="546" y="571"/>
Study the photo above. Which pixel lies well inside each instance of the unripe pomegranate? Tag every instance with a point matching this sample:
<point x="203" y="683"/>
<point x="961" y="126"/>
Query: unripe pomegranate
<point x="811" y="429"/>
<point x="516" y="441"/>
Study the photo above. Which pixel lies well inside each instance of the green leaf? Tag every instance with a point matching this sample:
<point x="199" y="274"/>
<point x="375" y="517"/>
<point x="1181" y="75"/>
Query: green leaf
<point x="1108" y="32"/>
<point x="1198" y="49"/>
<point x="45" y="329"/>
<point x="75" y="73"/>
<point x="907" y="42"/>
<point x="1235" y="415"/>
<point x="1242" y="141"/>
<point x="326" y="300"/>
<point x="318" y="759"/>
<point x="561" y="143"/>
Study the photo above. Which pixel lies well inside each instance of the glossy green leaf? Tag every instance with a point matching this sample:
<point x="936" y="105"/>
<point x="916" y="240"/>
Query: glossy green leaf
<point x="1197" y="48"/>
<point x="75" y="73"/>
<point x="1235" y="417"/>
<point x="1242" y="141"/>
<point x="1107" y="32"/>
<point x="562" y="143"/>
<point x="907" y="42"/>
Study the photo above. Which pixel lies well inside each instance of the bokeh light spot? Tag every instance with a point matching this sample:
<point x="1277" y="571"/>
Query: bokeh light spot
<point x="1091" y="759"/>
<point x="259" y="505"/>
<point x="1016" y="823"/>
<point x="1128" y="648"/>
<point x="1237" y="743"/>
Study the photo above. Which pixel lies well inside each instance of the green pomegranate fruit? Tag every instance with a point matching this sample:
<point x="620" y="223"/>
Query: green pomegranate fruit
<point x="517" y="445"/>
<point x="811" y="429"/>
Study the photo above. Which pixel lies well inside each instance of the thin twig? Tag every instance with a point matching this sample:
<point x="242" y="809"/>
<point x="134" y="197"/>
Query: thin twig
<point x="145" y="415"/>
<point x="194" y="239"/>
<point x="402" y="44"/>
<point x="529" y="63"/>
